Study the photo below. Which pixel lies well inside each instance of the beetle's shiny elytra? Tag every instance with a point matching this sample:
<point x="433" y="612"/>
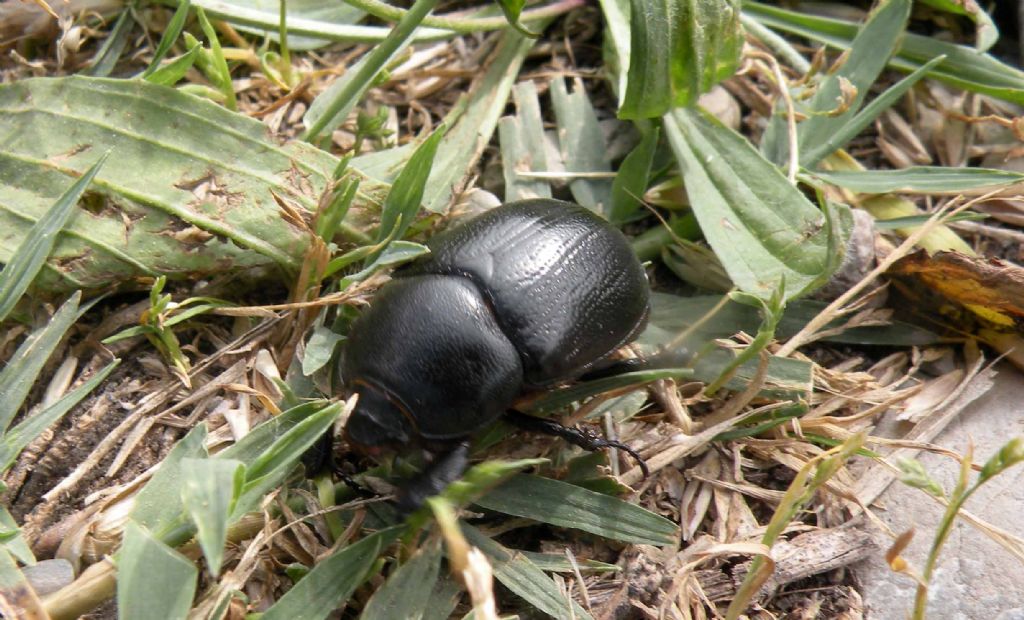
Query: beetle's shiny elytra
<point x="526" y="295"/>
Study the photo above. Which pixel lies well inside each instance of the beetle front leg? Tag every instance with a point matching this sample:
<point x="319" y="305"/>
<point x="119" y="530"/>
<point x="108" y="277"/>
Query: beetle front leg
<point x="583" y="438"/>
<point x="446" y="468"/>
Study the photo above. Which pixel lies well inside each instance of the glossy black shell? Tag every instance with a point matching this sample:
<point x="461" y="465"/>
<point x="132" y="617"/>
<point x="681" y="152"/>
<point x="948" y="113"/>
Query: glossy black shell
<point x="528" y="294"/>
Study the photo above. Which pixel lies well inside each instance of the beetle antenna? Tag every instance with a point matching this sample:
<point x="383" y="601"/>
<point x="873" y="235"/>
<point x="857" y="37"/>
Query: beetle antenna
<point x="586" y="439"/>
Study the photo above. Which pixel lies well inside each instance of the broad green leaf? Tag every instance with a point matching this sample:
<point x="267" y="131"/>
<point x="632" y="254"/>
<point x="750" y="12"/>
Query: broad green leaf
<point x="985" y="29"/>
<point x="204" y="205"/>
<point x="679" y="49"/>
<point x="523" y="146"/>
<point x="408" y="589"/>
<point x="630" y="182"/>
<point x="920" y="179"/>
<point x="332" y="581"/>
<point x="617" y="43"/>
<point x="14" y="541"/>
<point x="22" y="370"/>
<point x="567" y="505"/>
<point x="832" y="103"/>
<point x="761" y="227"/>
<point x="15" y="440"/>
<point x="406" y="195"/>
<point x="35" y="246"/>
<point x="209" y="489"/>
<point x="523" y="578"/>
<point x="582" y="146"/>
<point x="331" y="108"/>
<point x="152" y="578"/>
<point x="168" y="38"/>
<point x="320" y="349"/>
<point x="158" y="505"/>
<point x="963" y="67"/>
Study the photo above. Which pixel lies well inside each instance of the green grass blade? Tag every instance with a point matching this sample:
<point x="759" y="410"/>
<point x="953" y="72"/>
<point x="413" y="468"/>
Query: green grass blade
<point x="23" y="369"/>
<point x="169" y="74"/>
<point x="113" y="46"/>
<point x="875" y="43"/>
<point x="22" y="268"/>
<point x="762" y="228"/>
<point x="523" y="578"/>
<point x="406" y="195"/>
<point x="855" y="125"/>
<point x="630" y="182"/>
<point x="985" y="29"/>
<point x="332" y="581"/>
<point x="920" y="179"/>
<point x="260" y="439"/>
<point x="567" y="505"/>
<point x="209" y="490"/>
<point x="963" y="67"/>
<point x="170" y="35"/>
<point x="152" y="578"/>
<point x="158" y="506"/>
<point x="15" y="440"/>
<point x="408" y="589"/>
<point x="332" y="107"/>
<point x="13" y="539"/>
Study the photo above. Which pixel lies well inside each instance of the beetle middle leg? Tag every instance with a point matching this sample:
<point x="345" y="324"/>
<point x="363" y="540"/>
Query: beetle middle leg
<point x="588" y="440"/>
<point x="446" y="468"/>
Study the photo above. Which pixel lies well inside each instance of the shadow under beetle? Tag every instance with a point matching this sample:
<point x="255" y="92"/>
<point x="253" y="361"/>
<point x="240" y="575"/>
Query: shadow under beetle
<point x="527" y="295"/>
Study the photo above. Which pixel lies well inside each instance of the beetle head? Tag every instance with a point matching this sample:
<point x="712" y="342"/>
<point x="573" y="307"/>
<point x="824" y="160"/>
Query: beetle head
<point x="377" y="423"/>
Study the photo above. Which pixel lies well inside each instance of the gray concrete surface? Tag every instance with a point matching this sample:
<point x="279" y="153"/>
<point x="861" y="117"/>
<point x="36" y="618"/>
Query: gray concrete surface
<point x="976" y="578"/>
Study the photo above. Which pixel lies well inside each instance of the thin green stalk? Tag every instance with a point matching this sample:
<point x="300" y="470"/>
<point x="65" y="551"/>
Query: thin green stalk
<point x="282" y="34"/>
<point x="464" y="25"/>
<point x="375" y="61"/>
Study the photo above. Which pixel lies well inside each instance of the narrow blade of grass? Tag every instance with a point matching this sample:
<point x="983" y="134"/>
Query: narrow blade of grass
<point x="33" y="425"/>
<point x="209" y="490"/>
<point x="920" y="179"/>
<point x="170" y="35"/>
<point x="567" y="505"/>
<point x="332" y="581"/>
<point x="20" y="271"/>
<point x="21" y="371"/>
<point x="158" y="506"/>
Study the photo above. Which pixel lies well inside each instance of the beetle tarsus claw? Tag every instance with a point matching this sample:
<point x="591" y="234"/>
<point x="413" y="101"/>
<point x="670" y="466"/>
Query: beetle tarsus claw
<point x="583" y="438"/>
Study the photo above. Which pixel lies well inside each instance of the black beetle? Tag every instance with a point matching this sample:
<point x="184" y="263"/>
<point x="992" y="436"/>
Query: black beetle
<point x="527" y="295"/>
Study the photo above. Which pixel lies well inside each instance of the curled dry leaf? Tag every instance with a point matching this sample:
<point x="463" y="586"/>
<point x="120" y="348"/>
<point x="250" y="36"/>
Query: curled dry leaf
<point x="990" y="287"/>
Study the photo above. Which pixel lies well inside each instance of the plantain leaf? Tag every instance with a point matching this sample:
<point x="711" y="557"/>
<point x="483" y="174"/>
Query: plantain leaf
<point x="188" y="189"/>
<point x="679" y="49"/>
<point x="523" y="146"/>
<point x="582" y="146"/>
<point x="762" y="228"/>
